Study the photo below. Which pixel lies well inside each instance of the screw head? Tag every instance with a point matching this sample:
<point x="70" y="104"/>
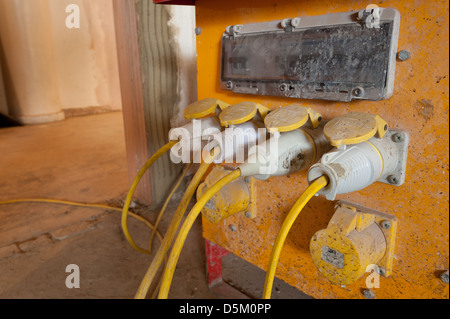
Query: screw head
<point x="397" y="137"/>
<point x="233" y="228"/>
<point x="284" y="23"/>
<point x="393" y="179"/>
<point x="295" y="22"/>
<point x="229" y="85"/>
<point x="248" y="179"/>
<point x="381" y="271"/>
<point x="368" y="293"/>
<point x="385" y="224"/>
<point x="198" y="31"/>
<point x="404" y="55"/>
<point x="237" y="28"/>
<point x="357" y="92"/>
<point x="248" y="214"/>
<point x="283" y="87"/>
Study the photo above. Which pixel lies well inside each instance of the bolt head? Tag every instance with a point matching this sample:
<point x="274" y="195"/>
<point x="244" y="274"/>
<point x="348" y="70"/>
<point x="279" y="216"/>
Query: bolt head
<point x="248" y="214"/>
<point x="393" y="180"/>
<point x="295" y="22"/>
<point x="198" y="31"/>
<point x="233" y="228"/>
<point x="368" y="293"/>
<point x="386" y="224"/>
<point x="398" y="137"/>
<point x="357" y="92"/>
<point x="229" y="85"/>
<point x="237" y="28"/>
<point x="404" y="55"/>
<point x="381" y="271"/>
<point x="284" y="23"/>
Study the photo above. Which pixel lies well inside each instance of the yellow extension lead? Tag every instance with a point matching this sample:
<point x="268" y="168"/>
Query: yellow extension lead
<point x="63" y="202"/>
<point x="174" y="224"/>
<point x="187" y="225"/>
<point x="315" y="187"/>
<point x="135" y="183"/>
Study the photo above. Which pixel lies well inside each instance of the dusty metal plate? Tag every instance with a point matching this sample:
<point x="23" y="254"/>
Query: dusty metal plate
<point x="339" y="59"/>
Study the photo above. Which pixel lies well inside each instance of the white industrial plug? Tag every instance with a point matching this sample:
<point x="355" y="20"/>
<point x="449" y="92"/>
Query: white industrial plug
<point x="192" y="140"/>
<point x="241" y="131"/>
<point x="285" y="153"/>
<point x="235" y="141"/>
<point x="289" y="149"/>
<point x="366" y="152"/>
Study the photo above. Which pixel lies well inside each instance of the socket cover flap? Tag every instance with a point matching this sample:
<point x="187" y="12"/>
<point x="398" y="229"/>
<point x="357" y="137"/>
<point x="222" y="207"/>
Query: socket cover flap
<point x="291" y="117"/>
<point x="354" y="128"/>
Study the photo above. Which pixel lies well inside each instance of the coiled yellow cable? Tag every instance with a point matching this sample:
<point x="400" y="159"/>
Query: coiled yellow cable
<point x="187" y="225"/>
<point x="166" y="203"/>
<point x="129" y="197"/>
<point x="174" y="224"/>
<point x="70" y="203"/>
<point x="315" y="187"/>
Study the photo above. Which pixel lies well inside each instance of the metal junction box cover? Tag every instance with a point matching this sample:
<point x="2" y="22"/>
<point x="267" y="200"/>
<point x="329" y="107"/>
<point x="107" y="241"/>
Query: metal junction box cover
<point x="337" y="57"/>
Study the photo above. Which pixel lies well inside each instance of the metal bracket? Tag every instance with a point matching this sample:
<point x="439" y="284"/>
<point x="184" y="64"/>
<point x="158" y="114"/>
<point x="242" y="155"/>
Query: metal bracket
<point x="290" y="24"/>
<point x="399" y="140"/>
<point x="370" y="16"/>
<point x="232" y="30"/>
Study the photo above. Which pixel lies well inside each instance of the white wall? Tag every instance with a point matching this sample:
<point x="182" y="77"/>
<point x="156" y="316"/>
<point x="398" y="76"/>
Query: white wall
<point x="85" y="58"/>
<point x="51" y="68"/>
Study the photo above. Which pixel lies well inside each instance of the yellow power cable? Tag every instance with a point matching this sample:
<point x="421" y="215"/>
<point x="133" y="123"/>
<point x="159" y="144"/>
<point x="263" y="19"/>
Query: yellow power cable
<point x="70" y="203"/>
<point x="187" y="225"/>
<point x="315" y="187"/>
<point x="133" y="187"/>
<point x="166" y="203"/>
<point x="174" y="224"/>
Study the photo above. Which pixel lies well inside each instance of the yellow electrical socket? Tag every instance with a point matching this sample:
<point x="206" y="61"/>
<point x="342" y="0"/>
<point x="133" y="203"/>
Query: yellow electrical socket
<point x="236" y="197"/>
<point x="355" y="238"/>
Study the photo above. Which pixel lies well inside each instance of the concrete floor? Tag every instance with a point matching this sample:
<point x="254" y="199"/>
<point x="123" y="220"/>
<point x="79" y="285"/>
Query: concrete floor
<point x="83" y="159"/>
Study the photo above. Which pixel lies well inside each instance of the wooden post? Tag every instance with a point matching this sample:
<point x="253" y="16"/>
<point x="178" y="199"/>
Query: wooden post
<point x="148" y="76"/>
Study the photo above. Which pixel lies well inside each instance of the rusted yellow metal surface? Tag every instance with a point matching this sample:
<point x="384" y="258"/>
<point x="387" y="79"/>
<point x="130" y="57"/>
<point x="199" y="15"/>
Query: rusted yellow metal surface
<point x="419" y="105"/>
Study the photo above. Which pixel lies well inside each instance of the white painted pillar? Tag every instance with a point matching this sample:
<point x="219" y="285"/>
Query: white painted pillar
<point x="29" y="63"/>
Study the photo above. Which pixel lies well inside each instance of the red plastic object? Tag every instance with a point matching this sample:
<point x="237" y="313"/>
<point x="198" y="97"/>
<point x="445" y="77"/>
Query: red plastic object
<point x="180" y="2"/>
<point x="214" y="254"/>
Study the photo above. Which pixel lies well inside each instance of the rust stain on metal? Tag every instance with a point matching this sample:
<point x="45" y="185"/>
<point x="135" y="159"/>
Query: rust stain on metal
<point x="424" y="108"/>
